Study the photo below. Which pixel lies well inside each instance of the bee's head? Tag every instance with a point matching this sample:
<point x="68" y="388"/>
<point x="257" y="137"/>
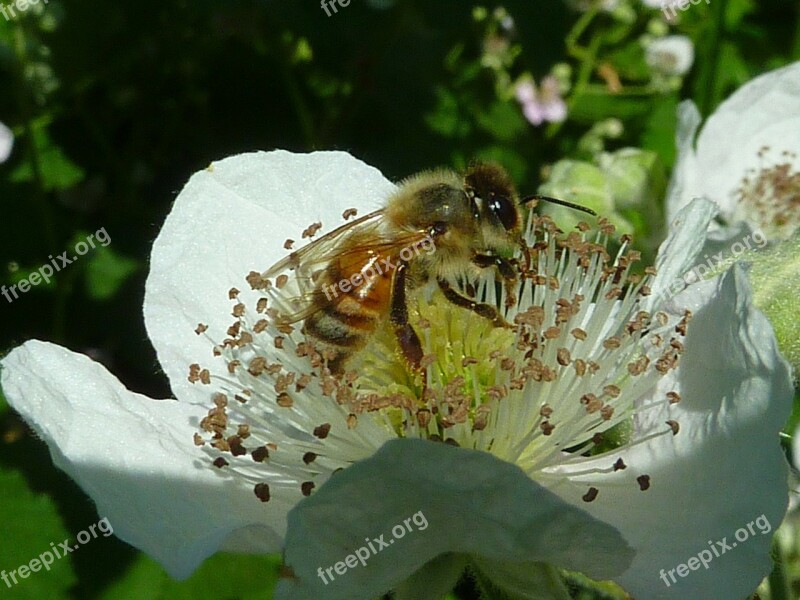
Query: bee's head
<point x="494" y="203"/>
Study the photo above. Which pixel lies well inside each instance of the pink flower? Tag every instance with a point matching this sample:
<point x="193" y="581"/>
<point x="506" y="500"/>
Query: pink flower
<point x="544" y="105"/>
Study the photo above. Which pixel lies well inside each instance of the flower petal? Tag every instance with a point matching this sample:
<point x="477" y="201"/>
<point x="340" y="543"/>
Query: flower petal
<point x="524" y="581"/>
<point x="721" y="473"/>
<point x="763" y="113"/>
<point x="682" y="185"/>
<point x="671" y="55"/>
<point x="444" y="499"/>
<point x="6" y="142"/>
<point x="679" y="252"/>
<point x="230" y="219"/>
<point x="434" y="580"/>
<point x="135" y="457"/>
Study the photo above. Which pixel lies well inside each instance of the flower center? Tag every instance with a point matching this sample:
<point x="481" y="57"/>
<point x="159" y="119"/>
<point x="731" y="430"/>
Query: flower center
<point x="770" y="197"/>
<point x="580" y="358"/>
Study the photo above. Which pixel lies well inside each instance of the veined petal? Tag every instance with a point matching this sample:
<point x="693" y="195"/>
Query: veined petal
<point x="233" y="218"/>
<point x="135" y="457"/>
<point x="707" y="483"/>
<point x="679" y="252"/>
<point x="444" y="499"/>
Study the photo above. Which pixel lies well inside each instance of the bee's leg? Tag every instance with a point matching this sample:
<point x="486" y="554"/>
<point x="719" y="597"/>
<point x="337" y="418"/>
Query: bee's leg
<point x="504" y="265"/>
<point x="408" y="339"/>
<point x="487" y="311"/>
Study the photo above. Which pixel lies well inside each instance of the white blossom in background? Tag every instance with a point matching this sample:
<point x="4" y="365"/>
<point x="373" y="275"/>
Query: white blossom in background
<point x="696" y="379"/>
<point x="671" y="55"/>
<point x="746" y="157"/>
<point x="6" y="142"/>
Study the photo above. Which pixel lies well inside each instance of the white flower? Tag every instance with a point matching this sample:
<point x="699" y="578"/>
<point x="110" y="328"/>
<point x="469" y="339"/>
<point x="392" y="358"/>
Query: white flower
<point x="746" y="156"/>
<point x="671" y="55"/>
<point x="6" y="142"/>
<point x="704" y="401"/>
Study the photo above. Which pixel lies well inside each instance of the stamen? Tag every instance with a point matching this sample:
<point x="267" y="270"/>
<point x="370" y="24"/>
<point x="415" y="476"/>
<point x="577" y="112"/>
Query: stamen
<point x="770" y="196"/>
<point x="581" y="358"/>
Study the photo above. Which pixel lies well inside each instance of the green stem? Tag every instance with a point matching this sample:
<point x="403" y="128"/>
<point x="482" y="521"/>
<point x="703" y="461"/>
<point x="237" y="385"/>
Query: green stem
<point x="795" y="51"/>
<point x="31" y="149"/>
<point x="578" y="30"/>
<point x="582" y="81"/>
<point x="778" y="582"/>
<point x="707" y="78"/>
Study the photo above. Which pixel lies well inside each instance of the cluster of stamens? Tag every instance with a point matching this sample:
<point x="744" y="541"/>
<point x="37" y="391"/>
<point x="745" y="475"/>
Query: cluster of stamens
<point x="579" y="359"/>
<point x="770" y="196"/>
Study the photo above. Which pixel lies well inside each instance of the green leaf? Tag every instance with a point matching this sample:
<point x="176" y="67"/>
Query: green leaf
<point x="736" y="11"/>
<point x="504" y="120"/>
<point x="596" y="104"/>
<point x="445" y="118"/>
<point x="221" y="576"/>
<point x="659" y="132"/>
<point x="594" y="590"/>
<point x="630" y="63"/>
<point x="30" y="524"/>
<point x="58" y="171"/>
<point x="106" y="272"/>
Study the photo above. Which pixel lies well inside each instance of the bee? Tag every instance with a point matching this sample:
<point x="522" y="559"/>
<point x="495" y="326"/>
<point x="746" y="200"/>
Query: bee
<point x="436" y="227"/>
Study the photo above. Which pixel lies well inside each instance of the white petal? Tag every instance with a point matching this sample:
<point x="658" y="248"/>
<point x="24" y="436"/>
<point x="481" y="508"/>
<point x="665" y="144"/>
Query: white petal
<point x="682" y="184"/>
<point x="464" y="501"/>
<point x="6" y="142"/>
<point x="680" y="251"/>
<point x="435" y="580"/>
<point x="233" y="218"/>
<point x="135" y="457"/>
<point x="763" y="113"/>
<point x="672" y="55"/>
<point x="724" y="469"/>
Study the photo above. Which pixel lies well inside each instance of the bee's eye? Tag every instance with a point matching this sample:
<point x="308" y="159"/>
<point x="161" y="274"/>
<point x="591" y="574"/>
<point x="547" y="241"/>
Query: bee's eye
<point x="437" y="229"/>
<point x="502" y="208"/>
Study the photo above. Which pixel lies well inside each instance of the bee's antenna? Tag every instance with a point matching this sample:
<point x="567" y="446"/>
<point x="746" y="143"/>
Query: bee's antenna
<point x="585" y="209"/>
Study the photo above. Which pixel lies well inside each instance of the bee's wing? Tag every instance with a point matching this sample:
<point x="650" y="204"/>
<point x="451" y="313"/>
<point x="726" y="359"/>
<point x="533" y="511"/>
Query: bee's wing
<point x="318" y="253"/>
<point x="302" y="296"/>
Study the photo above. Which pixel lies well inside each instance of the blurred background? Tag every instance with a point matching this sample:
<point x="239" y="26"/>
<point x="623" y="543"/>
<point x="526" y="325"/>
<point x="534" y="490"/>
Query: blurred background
<point x="106" y="109"/>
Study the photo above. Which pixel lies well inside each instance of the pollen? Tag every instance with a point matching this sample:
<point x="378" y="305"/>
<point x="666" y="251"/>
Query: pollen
<point x="770" y="195"/>
<point x="584" y="355"/>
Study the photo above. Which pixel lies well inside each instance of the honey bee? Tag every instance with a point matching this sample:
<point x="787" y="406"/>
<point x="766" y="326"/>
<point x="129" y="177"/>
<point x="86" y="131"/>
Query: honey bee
<point x="354" y="278"/>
